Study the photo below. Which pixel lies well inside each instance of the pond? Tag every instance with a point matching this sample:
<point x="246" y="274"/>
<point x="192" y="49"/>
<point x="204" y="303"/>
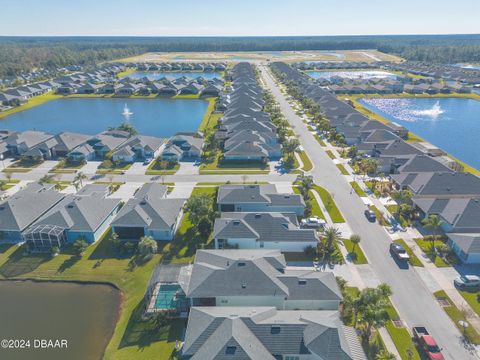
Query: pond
<point x="452" y="124"/>
<point x="352" y="75"/>
<point x="84" y="315"/>
<point x="156" y="117"/>
<point x="155" y="75"/>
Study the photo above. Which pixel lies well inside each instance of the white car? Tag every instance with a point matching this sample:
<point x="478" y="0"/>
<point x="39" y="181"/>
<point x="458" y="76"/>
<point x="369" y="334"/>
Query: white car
<point x="313" y="222"/>
<point x="467" y="281"/>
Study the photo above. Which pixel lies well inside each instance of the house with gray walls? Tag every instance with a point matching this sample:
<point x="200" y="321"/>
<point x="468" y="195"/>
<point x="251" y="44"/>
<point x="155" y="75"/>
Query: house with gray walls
<point x="258" y="198"/>
<point x="83" y="216"/>
<point x="149" y="213"/>
<point x="271" y="230"/>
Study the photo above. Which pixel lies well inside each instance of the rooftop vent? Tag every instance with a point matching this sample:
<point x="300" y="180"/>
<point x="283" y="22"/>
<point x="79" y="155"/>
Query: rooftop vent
<point x="236" y="222"/>
<point x="302" y="282"/>
<point x="258" y="216"/>
<point x="275" y="329"/>
<point x="244" y="285"/>
<point x="241" y="264"/>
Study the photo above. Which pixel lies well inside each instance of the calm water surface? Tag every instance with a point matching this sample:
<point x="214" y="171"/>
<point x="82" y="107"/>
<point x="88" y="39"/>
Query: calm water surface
<point x="452" y="124"/>
<point x="84" y="315"/>
<point x="156" y="117"/>
<point x="362" y="74"/>
<point x="155" y="75"/>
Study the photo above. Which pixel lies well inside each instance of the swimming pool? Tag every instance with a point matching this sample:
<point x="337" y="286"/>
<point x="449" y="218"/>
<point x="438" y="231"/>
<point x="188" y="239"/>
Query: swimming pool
<point x="166" y="296"/>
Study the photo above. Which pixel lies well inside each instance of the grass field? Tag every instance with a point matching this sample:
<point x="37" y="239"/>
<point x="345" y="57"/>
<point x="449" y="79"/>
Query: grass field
<point x="358" y="189"/>
<point x="426" y="246"/>
<point x="342" y="169"/>
<point x="401" y="337"/>
<point x="472" y="298"/>
<point x="329" y="204"/>
<point x="307" y="163"/>
<point x="316" y="210"/>
<point x="331" y="154"/>
<point x="320" y="141"/>
<point x="456" y="315"/>
<point x="155" y="169"/>
<point x="357" y="256"/>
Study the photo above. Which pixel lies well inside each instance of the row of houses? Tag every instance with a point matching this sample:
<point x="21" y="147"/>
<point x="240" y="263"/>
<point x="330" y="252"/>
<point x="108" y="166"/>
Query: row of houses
<point x="246" y="131"/>
<point x="166" y="86"/>
<point x="179" y="66"/>
<point x="42" y="217"/>
<point x="248" y="304"/>
<point x="437" y="184"/>
<point x="77" y="147"/>
<point x="345" y="65"/>
<point x="390" y="86"/>
<point x="19" y="95"/>
<point x="438" y="71"/>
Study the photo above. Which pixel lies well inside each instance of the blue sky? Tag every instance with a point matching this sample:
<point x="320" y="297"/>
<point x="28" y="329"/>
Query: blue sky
<point x="239" y="17"/>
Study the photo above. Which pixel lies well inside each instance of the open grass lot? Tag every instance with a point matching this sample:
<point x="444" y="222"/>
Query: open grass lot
<point x="329" y="204"/>
<point x="414" y="260"/>
<point x="457" y="315"/>
<point x="401" y="337"/>
<point x="358" y="189"/>
<point x="357" y="256"/>
<point x="426" y="246"/>
<point x="209" y="119"/>
<point x="307" y="163"/>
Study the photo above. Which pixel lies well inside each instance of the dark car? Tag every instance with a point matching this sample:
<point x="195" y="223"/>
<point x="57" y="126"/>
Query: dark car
<point x="399" y="252"/>
<point x="370" y="215"/>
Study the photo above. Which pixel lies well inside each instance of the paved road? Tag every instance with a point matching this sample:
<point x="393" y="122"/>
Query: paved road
<point x="411" y="297"/>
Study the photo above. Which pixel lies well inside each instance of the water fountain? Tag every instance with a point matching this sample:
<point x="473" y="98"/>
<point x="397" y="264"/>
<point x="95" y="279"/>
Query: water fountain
<point x="126" y="112"/>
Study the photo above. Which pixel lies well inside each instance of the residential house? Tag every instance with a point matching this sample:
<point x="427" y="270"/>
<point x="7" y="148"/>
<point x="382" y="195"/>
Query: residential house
<point x="149" y="213"/>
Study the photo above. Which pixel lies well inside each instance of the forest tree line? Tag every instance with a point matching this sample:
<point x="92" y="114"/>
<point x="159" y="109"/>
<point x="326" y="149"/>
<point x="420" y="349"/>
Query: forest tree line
<point x="22" y="54"/>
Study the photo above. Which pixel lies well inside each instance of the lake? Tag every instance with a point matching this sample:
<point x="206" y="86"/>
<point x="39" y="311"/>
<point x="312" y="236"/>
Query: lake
<point x="155" y="75"/>
<point x="452" y="124"/>
<point x="352" y="75"/>
<point x="156" y="117"/>
<point x="84" y="315"/>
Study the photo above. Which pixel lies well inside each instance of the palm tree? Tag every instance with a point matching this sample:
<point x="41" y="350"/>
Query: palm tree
<point x="306" y="185"/>
<point x="79" y="178"/>
<point x="331" y="236"/>
<point x="433" y="222"/>
<point x="355" y="239"/>
<point x="401" y="197"/>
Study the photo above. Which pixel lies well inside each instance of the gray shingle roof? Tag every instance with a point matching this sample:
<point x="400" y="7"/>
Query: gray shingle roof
<point x="149" y="208"/>
<point x="265" y="333"/>
<point x="468" y="243"/>
<point x="23" y="208"/>
<point x="262" y="226"/>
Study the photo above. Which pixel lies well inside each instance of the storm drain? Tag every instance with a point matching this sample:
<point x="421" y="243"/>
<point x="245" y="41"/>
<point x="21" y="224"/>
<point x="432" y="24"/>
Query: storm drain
<point x="398" y="323"/>
<point x="443" y="302"/>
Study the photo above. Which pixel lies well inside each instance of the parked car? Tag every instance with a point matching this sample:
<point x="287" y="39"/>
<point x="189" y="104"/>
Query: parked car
<point x="428" y="344"/>
<point x="399" y="252"/>
<point x="370" y="215"/>
<point x="313" y="222"/>
<point x="467" y="281"/>
<point x="147" y="161"/>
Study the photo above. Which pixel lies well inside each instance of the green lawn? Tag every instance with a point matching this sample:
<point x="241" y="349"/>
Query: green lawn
<point x="342" y="169"/>
<point x="154" y="168"/>
<point x="358" y="257"/>
<point x="401" y="337"/>
<point x="116" y="169"/>
<point x="358" y="189"/>
<point x="456" y="315"/>
<point x="472" y="297"/>
<point x="34" y="101"/>
<point x="320" y="141"/>
<point x="329" y="204"/>
<point x="331" y="154"/>
<point x="426" y="246"/>
<point x="307" y="163"/>
<point x="209" y="120"/>
<point x="237" y="167"/>
<point x="414" y="260"/>
<point x="316" y="211"/>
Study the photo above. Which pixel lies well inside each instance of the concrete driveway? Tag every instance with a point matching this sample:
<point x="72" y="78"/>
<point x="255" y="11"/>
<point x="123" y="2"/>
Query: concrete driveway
<point x="188" y="168"/>
<point x="126" y="191"/>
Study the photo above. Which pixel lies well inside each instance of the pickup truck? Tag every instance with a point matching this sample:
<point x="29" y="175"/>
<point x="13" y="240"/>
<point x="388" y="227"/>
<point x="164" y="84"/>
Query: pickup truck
<point x="426" y="341"/>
